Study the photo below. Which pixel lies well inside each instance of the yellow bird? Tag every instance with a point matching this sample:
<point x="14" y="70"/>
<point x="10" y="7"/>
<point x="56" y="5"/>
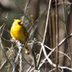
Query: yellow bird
<point x="18" y="32"/>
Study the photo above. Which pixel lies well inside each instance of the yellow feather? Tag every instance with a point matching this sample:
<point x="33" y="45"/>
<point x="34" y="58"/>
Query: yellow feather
<point x="18" y="31"/>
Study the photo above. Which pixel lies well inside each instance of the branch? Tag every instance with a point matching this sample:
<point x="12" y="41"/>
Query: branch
<point x="47" y="56"/>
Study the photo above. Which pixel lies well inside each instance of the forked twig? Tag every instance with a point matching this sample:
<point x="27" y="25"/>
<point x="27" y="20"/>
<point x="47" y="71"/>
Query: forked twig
<point x="42" y="49"/>
<point x="49" y="60"/>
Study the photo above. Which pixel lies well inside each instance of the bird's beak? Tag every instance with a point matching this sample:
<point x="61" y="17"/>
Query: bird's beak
<point x="22" y="22"/>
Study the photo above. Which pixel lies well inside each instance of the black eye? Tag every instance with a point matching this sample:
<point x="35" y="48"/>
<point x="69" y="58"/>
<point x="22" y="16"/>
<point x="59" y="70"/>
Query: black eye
<point x="19" y="23"/>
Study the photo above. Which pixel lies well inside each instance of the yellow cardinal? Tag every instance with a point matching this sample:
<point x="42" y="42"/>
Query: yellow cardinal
<point x="18" y="32"/>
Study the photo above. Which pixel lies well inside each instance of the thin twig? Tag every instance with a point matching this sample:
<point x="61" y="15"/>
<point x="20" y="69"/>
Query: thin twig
<point x="25" y="8"/>
<point x="52" y="70"/>
<point x="27" y="3"/>
<point x="14" y="66"/>
<point x="49" y="6"/>
<point x="57" y="34"/>
<point x="54" y="65"/>
<point x="59" y="52"/>
<point x="20" y="48"/>
<point x="54" y="50"/>
<point x="3" y="64"/>
<point x="1" y="45"/>
<point x="20" y="70"/>
<point x="19" y="45"/>
<point x="28" y="70"/>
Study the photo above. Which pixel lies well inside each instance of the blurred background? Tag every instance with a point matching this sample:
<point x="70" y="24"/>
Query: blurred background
<point x="35" y="12"/>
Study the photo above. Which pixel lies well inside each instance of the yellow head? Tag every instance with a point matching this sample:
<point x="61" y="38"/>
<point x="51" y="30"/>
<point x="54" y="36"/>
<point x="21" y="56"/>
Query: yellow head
<point x="17" y="23"/>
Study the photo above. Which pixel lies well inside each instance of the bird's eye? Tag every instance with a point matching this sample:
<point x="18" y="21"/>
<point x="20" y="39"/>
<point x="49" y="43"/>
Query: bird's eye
<point x="19" y="23"/>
